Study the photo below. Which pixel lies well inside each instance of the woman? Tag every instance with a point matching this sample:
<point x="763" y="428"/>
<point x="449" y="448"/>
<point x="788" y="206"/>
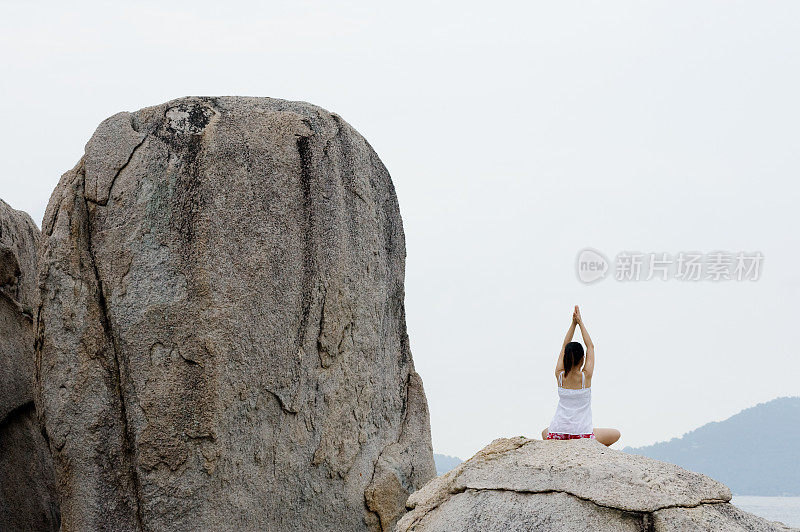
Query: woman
<point x="573" y="417"/>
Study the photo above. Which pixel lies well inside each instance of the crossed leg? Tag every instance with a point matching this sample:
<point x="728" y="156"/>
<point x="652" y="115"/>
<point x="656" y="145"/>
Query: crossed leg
<point x="605" y="436"/>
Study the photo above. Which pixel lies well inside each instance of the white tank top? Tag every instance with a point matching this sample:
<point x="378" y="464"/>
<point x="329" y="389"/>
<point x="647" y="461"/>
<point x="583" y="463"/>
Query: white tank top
<point x="574" y="410"/>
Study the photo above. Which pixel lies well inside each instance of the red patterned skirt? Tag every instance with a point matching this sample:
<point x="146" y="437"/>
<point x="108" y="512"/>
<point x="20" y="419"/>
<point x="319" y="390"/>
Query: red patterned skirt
<point x="559" y="436"/>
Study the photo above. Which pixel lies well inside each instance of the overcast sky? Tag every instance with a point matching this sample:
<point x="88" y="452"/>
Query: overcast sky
<point x="517" y="134"/>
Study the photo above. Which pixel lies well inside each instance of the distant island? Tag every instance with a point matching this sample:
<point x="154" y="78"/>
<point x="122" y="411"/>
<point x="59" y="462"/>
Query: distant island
<point x="445" y="463"/>
<point x="754" y="452"/>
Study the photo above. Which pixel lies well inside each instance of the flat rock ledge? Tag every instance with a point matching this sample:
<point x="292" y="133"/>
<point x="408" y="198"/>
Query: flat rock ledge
<point x="524" y="484"/>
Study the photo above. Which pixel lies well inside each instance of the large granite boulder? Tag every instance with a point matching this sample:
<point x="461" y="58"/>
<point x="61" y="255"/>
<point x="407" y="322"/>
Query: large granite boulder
<point x="27" y="489"/>
<point x="222" y="336"/>
<point x="522" y="484"/>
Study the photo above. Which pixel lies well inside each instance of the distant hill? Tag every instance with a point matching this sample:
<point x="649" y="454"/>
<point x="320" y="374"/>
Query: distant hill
<point x="755" y="452"/>
<point x="445" y="463"/>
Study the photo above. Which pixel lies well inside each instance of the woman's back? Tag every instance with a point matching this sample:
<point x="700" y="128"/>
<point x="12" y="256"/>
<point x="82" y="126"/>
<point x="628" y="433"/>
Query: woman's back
<point x="574" y="411"/>
<point x="574" y="380"/>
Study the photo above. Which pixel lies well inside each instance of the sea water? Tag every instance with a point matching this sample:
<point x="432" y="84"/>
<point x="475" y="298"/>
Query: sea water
<point x="783" y="509"/>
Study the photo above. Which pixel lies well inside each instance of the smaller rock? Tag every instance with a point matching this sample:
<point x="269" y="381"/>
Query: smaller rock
<point x="524" y="484"/>
<point x="28" y="498"/>
<point x="713" y="517"/>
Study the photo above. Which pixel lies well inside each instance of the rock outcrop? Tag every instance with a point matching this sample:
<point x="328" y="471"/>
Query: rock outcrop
<point x="27" y="490"/>
<point x="521" y="484"/>
<point x="221" y="339"/>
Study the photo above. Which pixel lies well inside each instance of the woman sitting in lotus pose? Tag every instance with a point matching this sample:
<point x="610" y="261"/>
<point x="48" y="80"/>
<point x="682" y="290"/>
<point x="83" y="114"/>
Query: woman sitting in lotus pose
<point x="573" y="417"/>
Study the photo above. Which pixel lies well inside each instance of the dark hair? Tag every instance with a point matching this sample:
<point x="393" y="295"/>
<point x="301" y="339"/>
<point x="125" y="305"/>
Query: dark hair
<point x="573" y="354"/>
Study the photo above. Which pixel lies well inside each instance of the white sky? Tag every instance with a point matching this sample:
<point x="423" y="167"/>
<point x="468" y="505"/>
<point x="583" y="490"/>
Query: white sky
<point x="517" y="133"/>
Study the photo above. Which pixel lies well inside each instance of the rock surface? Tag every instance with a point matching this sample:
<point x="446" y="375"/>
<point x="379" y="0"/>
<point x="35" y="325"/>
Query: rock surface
<point x="27" y="490"/>
<point x="522" y="484"/>
<point x="222" y="338"/>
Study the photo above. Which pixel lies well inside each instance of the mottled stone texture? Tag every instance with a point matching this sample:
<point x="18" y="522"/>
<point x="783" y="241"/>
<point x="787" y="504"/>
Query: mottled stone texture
<point x="27" y="490"/>
<point x="221" y="339"/>
<point x="521" y="484"/>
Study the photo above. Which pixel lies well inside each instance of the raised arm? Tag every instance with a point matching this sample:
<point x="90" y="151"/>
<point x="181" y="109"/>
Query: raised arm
<point x="567" y="339"/>
<point x="588" y="367"/>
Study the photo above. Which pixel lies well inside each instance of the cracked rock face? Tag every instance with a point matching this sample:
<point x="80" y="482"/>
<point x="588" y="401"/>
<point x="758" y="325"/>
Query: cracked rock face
<point x="221" y="339"/>
<point x="521" y="484"/>
<point x="27" y="490"/>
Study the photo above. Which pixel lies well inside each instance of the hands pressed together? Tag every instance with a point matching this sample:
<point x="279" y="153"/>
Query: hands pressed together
<point x="576" y="316"/>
